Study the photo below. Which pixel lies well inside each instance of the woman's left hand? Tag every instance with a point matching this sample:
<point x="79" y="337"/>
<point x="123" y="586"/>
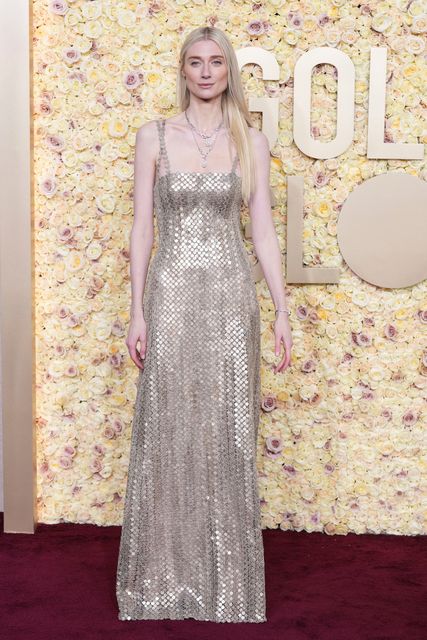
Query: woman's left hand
<point x="282" y="333"/>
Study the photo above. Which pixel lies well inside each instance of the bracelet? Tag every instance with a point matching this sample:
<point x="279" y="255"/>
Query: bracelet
<point x="283" y="311"/>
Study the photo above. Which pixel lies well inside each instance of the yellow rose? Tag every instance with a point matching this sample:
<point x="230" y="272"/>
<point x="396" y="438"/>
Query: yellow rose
<point x="91" y="10"/>
<point x="94" y="250"/>
<point x="290" y="36"/>
<point x="416" y="8"/>
<point x="414" y="44"/>
<point x="71" y="19"/>
<point x="381" y="22"/>
<point x="106" y="202"/>
<point x="125" y="18"/>
<point x="74" y="261"/>
<point x="419" y="24"/>
<point x="92" y="30"/>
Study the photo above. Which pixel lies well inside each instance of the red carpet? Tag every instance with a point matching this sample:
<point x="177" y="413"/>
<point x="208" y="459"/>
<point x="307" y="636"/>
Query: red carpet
<point x="60" y="584"/>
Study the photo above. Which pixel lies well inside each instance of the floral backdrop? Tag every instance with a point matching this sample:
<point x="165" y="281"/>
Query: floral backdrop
<point x="342" y="433"/>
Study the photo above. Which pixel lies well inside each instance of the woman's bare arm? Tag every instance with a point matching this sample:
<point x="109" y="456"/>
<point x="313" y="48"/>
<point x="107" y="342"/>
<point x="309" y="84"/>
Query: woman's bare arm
<point x="266" y="243"/>
<point x="263" y="231"/>
<point x="142" y="232"/>
<point x="141" y="236"/>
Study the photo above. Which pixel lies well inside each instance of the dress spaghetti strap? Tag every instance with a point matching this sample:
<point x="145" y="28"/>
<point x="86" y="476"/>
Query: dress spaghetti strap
<point x="236" y="157"/>
<point x="163" y="154"/>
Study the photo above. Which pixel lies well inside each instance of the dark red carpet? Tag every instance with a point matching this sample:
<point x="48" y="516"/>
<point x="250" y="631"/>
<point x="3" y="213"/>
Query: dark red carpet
<point x="59" y="584"/>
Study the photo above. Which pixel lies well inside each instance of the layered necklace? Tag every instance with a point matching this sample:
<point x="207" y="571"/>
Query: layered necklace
<point x="208" y="139"/>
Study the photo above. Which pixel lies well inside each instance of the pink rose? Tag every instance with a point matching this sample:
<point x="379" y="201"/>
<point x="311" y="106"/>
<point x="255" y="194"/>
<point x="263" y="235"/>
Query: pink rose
<point x="255" y="27"/>
<point x="109" y="433"/>
<point x="323" y="19"/>
<point x="96" y="465"/>
<point x="409" y="418"/>
<point x="58" y="7"/>
<point x="65" y="234"/>
<point x="361" y="339"/>
<point x="116" y="360"/>
<point x="295" y="20"/>
<point x="268" y="403"/>
<point x="117" y="425"/>
<point x="368" y="395"/>
<point x="69" y="450"/>
<point x="54" y="142"/>
<point x="132" y="79"/>
<point x="71" y="54"/>
<point x="73" y="320"/>
<point x="301" y="312"/>
<point x="45" y="109"/>
<point x="99" y="449"/>
<point x="274" y="446"/>
<point x="308" y="366"/>
<point x="118" y="328"/>
<point x="48" y="187"/>
<point x="320" y="179"/>
<point x="65" y="462"/>
<point x="289" y="470"/>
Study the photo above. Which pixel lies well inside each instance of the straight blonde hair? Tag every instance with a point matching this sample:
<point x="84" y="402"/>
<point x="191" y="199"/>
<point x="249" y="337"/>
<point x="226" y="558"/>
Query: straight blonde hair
<point x="235" y="113"/>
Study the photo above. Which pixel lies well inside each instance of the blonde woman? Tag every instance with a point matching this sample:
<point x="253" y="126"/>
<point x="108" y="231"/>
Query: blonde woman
<point x="191" y="543"/>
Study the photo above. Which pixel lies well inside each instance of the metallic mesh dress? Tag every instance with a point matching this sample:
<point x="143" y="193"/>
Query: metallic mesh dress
<point x="191" y="542"/>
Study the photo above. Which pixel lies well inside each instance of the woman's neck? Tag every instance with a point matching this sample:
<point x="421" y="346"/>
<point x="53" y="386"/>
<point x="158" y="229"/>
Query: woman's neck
<point x="205" y="116"/>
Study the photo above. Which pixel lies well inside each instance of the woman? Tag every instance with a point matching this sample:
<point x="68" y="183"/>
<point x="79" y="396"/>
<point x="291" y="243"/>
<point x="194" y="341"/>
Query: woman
<point x="191" y="544"/>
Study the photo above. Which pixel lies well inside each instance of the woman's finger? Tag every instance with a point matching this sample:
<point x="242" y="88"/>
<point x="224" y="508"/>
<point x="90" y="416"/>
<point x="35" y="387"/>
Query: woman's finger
<point x="136" y="355"/>
<point x="286" y="357"/>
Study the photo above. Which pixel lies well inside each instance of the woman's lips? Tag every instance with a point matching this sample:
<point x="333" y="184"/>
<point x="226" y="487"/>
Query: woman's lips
<point x="205" y="86"/>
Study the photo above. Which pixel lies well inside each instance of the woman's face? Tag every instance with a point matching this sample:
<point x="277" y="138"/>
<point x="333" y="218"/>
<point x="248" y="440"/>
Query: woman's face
<point x="205" y="65"/>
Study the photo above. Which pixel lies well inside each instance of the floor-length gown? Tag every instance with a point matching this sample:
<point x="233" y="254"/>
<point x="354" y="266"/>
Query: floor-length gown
<point x="191" y="543"/>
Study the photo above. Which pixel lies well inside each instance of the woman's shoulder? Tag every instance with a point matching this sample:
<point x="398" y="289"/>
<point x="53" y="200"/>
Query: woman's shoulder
<point x="258" y="137"/>
<point x="148" y="130"/>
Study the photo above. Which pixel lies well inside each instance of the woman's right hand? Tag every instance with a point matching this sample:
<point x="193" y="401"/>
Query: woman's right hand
<point x="137" y="333"/>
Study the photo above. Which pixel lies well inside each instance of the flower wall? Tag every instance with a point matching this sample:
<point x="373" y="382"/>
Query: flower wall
<point x="342" y="432"/>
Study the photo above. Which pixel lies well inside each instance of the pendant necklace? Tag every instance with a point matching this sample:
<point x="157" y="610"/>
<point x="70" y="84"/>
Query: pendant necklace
<point x="208" y="139"/>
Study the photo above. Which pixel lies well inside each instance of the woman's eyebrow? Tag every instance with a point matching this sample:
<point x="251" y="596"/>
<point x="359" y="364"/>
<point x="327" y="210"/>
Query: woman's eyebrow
<point x="217" y="56"/>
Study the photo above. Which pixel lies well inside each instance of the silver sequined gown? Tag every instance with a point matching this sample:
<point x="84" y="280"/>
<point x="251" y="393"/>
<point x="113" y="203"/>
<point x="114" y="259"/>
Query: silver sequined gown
<point x="191" y="543"/>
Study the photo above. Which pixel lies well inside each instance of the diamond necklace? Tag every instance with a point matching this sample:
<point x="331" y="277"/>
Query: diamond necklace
<point x="207" y="139"/>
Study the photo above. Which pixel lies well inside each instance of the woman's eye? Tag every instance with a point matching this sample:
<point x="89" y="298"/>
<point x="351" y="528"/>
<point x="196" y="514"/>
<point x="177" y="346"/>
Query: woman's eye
<point x="197" y="62"/>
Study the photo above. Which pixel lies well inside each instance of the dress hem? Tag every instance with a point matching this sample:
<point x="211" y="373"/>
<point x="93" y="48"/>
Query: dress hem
<point x="124" y="618"/>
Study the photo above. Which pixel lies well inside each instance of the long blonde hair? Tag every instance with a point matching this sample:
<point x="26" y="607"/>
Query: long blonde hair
<point x="236" y="115"/>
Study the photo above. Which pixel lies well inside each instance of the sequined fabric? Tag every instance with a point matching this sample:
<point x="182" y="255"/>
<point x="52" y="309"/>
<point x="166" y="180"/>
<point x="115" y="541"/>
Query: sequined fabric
<point x="191" y="543"/>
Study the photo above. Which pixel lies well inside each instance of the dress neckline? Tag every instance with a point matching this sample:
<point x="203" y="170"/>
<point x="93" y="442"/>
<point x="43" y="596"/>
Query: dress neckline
<point x="170" y="174"/>
<point x="164" y="153"/>
<point x="201" y="173"/>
